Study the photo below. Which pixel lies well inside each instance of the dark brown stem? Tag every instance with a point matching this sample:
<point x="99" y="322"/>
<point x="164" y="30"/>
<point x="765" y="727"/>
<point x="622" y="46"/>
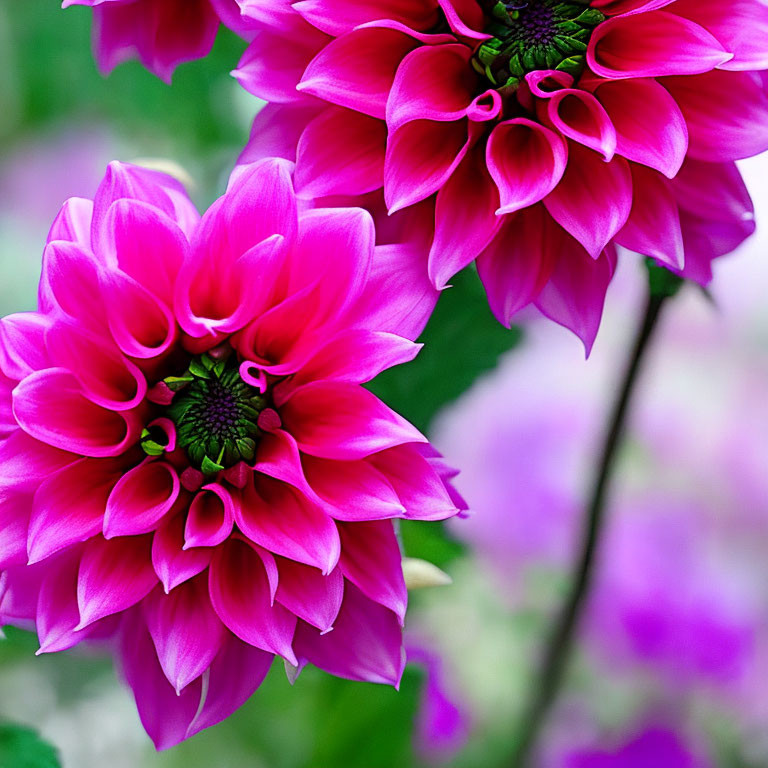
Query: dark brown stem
<point x="559" y="646"/>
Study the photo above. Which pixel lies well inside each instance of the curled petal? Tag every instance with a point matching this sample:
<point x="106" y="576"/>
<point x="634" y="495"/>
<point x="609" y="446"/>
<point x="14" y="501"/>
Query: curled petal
<point x="526" y="160"/>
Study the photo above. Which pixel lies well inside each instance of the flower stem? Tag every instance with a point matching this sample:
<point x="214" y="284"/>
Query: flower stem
<point x="560" y="644"/>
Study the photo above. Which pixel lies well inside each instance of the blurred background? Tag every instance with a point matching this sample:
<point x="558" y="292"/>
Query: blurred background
<point x="673" y="656"/>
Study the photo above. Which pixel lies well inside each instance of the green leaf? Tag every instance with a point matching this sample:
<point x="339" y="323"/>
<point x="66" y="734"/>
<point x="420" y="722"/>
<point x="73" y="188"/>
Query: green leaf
<point x="21" y="747"/>
<point x="462" y="341"/>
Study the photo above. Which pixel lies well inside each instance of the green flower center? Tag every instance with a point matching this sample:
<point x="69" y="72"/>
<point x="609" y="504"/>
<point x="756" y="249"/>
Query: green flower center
<point x="533" y="35"/>
<point x="215" y="413"/>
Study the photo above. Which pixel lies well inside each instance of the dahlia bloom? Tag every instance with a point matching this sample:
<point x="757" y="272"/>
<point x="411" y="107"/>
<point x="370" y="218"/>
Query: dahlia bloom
<point x="161" y="33"/>
<point x="542" y="133"/>
<point x="190" y="466"/>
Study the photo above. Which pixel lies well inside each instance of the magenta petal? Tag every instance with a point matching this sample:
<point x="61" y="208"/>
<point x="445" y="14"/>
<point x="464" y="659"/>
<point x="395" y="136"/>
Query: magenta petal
<point x="365" y="643"/>
<point x="141" y="499"/>
<point x="340" y="152"/>
<point x="355" y="490"/>
<point x="106" y="377"/>
<point x="73" y="224"/>
<point x="517" y="263"/>
<point x="593" y="200"/>
<point x="185" y="629"/>
<point x="237" y="671"/>
<point x="575" y="294"/>
<point x="335" y="17"/>
<point x="526" y="160"/>
<point x="339" y="420"/>
<point x="279" y="518"/>
<point x="50" y="406"/>
<point x="309" y="594"/>
<point x="371" y="559"/>
<point x="165" y="715"/>
<point x="357" y="356"/>
<point x="69" y="505"/>
<point x="210" y="518"/>
<point x="114" y="575"/>
<point x="357" y="69"/>
<point x="726" y="113"/>
<point x="22" y="344"/>
<point x="419" y="487"/>
<point x="580" y="116"/>
<point x="653" y="44"/>
<point x="146" y="244"/>
<point x="432" y="83"/>
<point x="172" y="563"/>
<point x="241" y="596"/>
<point x="421" y="156"/>
<point x="26" y="462"/>
<point x="70" y="282"/>
<point x="461" y="230"/>
<point x="14" y="525"/>
<point x="653" y="228"/>
<point x="57" y="611"/>
<point x="650" y="128"/>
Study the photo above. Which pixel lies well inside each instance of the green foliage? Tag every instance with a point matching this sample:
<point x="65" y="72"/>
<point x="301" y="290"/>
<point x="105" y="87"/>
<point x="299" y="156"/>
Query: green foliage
<point x="23" y="748"/>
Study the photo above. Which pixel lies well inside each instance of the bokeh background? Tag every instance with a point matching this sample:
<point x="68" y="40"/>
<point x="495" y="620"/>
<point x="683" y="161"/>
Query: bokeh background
<point x="671" y="666"/>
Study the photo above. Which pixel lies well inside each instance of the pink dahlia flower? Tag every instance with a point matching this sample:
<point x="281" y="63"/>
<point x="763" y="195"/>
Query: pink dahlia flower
<point x="190" y="464"/>
<point x="542" y="133"/>
<point x="161" y="33"/>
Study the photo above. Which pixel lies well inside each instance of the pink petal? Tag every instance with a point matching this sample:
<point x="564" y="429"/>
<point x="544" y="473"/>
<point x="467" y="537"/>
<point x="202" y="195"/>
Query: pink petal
<point x="69" y="505"/>
<point x="580" y="116"/>
<point x="419" y="487"/>
<point x="341" y="152"/>
<point x="355" y="490"/>
<point x="365" y="643"/>
<point x="50" y="406"/>
<point x="114" y="575"/>
<point x="398" y="297"/>
<point x="172" y="563"/>
<point x="371" y="559"/>
<point x="575" y="293"/>
<point x="237" y="671"/>
<point x="653" y="44"/>
<point x="241" y="596"/>
<point x="57" y="611"/>
<point x="106" y="377"/>
<point x="141" y="325"/>
<point x="279" y="518"/>
<point x="22" y="344"/>
<point x="518" y="262"/>
<point x="210" y="518"/>
<point x="276" y="131"/>
<point x="461" y="230"/>
<point x="73" y="224"/>
<point x="146" y="244"/>
<point x="256" y="71"/>
<point x="526" y="160"/>
<point x="339" y="420"/>
<point x="141" y="499"/>
<point x="309" y="594"/>
<point x="356" y="355"/>
<point x="726" y="113"/>
<point x="186" y="631"/>
<point x="593" y="200"/>
<point x="14" y="525"/>
<point x="653" y="228"/>
<point x="26" y="462"/>
<point x="357" y="69"/>
<point x="650" y="128"/>
<point x="432" y="83"/>
<point x="421" y="156"/>
<point x="165" y="715"/>
<point x="339" y="16"/>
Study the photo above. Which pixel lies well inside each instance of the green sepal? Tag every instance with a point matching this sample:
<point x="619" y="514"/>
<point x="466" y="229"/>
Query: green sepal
<point x="208" y="467"/>
<point x="661" y="281"/>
